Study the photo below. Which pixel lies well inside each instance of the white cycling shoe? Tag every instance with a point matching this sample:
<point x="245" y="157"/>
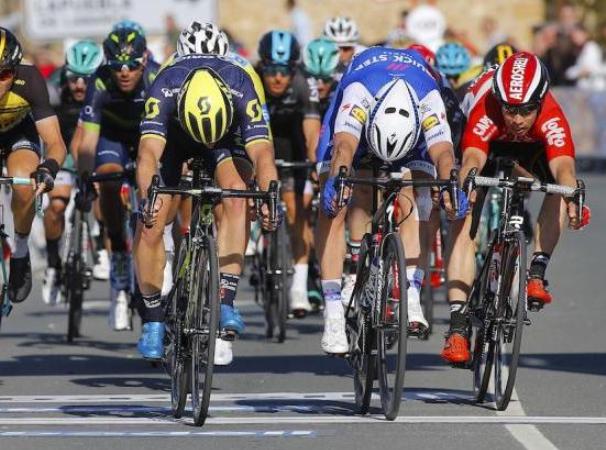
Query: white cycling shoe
<point x="349" y="281"/>
<point x="50" y="286"/>
<point x="334" y="339"/>
<point x="119" y="312"/>
<point x="224" y="354"/>
<point x="299" y="303"/>
<point x="101" y="269"/>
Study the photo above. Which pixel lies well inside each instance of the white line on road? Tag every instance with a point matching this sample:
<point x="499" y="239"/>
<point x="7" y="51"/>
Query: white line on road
<point x="35" y="433"/>
<point x="305" y="419"/>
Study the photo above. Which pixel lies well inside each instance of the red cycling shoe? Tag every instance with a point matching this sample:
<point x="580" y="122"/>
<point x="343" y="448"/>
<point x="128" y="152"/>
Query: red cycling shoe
<point x="456" y="349"/>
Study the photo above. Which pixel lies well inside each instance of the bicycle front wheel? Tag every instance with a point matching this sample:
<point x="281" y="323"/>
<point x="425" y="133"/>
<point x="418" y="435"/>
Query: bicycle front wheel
<point x="512" y="313"/>
<point x="203" y="325"/>
<point x="392" y="326"/>
<point x="73" y="278"/>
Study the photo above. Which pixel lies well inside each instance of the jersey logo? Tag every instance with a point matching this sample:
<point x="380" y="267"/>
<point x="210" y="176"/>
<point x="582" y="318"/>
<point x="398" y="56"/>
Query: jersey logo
<point x="554" y="132"/>
<point x="152" y="108"/>
<point x="429" y="122"/>
<point x="254" y="110"/>
<point x="359" y="114"/>
<point x="483" y="127"/>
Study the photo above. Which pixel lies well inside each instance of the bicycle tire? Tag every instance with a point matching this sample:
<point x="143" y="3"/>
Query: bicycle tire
<point x="360" y="335"/>
<point x="204" y="319"/>
<point x="509" y="333"/>
<point x="74" y="281"/>
<point x="180" y="364"/>
<point x="392" y="334"/>
<point x="268" y="288"/>
<point x="281" y="312"/>
<point x="483" y="347"/>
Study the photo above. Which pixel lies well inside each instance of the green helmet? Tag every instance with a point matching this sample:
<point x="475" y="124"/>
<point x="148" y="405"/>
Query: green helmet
<point x="321" y="57"/>
<point x="83" y="58"/>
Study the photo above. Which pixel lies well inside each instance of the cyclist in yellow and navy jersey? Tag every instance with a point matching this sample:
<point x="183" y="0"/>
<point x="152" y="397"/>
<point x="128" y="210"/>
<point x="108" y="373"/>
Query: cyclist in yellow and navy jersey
<point x="200" y="105"/>
<point x="26" y="116"/>
<point x="110" y="118"/>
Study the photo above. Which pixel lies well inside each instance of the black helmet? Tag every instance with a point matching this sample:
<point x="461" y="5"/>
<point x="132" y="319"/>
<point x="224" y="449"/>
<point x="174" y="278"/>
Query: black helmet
<point x="124" y="46"/>
<point x="280" y="48"/>
<point x="498" y="54"/>
<point x="10" y="49"/>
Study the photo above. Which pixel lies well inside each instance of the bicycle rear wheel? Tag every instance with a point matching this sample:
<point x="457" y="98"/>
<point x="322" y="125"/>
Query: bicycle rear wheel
<point x="74" y="289"/>
<point x="178" y="349"/>
<point x="392" y="327"/>
<point x="512" y="312"/>
<point x="203" y="315"/>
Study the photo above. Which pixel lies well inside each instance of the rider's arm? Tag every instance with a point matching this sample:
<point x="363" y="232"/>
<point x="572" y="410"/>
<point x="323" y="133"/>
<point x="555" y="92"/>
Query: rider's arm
<point x="148" y="160"/>
<point x="87" y="147"/>
<point x="90" y="122"/>
<point x="344" y="149"/>
<point x="311" y="130"/>
<point x="50" y="133"/>
<point x="442" y="155"/>
<point x="261" y="153"/>
<point x="563" y="170"/>
<point x="436" y="132"/>
<point x="472" y="157"/>
<point x="74" y="145"/>
<point x="311" y="114"/>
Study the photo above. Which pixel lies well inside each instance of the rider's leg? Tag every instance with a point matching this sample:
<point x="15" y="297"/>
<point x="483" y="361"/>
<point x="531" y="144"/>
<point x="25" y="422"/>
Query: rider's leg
<point x="21" y="162"/>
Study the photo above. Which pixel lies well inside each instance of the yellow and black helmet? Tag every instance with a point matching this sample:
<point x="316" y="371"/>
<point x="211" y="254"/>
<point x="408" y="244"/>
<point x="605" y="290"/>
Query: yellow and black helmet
<point x="205" y="106"/>
<point x="498" y="54"/>
<point x="10" y="49"/>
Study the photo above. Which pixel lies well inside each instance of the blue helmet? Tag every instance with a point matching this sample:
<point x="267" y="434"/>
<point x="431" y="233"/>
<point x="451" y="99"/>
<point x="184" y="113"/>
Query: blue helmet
<point x="280" y="48"/>
<point x="129" y="24"/>
<point x="453" y="59"/>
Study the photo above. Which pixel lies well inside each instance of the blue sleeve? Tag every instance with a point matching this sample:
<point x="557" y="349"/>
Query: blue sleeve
<point x="161" y="102"/>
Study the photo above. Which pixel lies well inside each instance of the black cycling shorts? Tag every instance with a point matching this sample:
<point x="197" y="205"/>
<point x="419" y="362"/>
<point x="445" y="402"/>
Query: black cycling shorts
<point x="23" y="136"/>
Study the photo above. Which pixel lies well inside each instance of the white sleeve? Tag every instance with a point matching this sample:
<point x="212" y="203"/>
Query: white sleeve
<point x="433" y="119"/>
<point x="353" y="110"/>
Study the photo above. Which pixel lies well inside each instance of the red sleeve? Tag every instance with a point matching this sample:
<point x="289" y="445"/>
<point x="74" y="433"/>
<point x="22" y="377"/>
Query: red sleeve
<point x="480" y="128"/>
<point x="552" y="128"/>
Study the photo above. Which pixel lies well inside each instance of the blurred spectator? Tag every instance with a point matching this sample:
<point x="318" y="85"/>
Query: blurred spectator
<point x="300" y="23"/>
<point x="398" y="37"/>
<point x="589" y="71"/>
<point x="43" y="60"/>
<point x="172" y="35"/>
<point x="426" y="25"/>
<point x="235" y="45"/>
<point x="492" y="35"/>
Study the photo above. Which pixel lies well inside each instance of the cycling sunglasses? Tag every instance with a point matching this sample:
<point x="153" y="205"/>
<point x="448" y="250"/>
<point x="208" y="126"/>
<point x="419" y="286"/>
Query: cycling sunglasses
<point x="275" y="69"/>
<point x="118" y="66"/>
<point x="7" y="73"/>
<point x="522" y="110"/>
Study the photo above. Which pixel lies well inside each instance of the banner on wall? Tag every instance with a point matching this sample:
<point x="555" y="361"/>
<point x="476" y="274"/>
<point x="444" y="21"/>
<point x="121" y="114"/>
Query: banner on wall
<point x="60" y="19"/>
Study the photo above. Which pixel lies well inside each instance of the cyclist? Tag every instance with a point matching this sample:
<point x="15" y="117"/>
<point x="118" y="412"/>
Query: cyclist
<point x="110" y="118"/>
<point x="514" y="115"/>
<point x="26" y="116"/>
<point x="320" y="61"/>
<point x="453" y="60"/>
<point x="82" y="59"/>
<point x="344" y="32"/>
<point x="387" y="107"/>
<point x="295" y="122"/>
<point x="231" y="133"/>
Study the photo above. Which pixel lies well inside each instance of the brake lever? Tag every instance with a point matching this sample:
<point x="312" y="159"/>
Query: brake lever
<point x="580" y="197"/>
<point x="452" y="190"/>
<point x="272" y="201"/>
<point x="340" y="186"/>
<point x="152" y="194"/>
<point x="469" y="183"/>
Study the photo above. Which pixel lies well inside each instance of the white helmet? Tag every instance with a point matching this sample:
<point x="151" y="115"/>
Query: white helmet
<point x="393" y="127"/>
<point x="203" y="38"/>
<point x="342" y="30"/>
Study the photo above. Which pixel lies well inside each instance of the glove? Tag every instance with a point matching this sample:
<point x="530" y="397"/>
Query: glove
<point x="585" y="218"/>
<point x="329" y="198"/>
<point x="46" y="173"/>
<point x="461" y="200"/>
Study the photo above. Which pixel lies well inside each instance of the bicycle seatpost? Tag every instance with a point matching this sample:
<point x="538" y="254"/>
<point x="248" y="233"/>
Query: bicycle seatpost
<point x="340" y="186"/>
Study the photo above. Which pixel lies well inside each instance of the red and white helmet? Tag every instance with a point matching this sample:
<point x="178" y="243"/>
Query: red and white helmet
<point x="521" y="80"/>
<point x="426" y="53"/>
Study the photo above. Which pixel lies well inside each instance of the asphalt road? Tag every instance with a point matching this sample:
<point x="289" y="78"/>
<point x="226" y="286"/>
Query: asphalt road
<point x="98" y="392"/>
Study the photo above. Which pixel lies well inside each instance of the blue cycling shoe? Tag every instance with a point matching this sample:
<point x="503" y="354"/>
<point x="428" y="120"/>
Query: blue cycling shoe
<point x="231" y="319"/>
<point x="151" y="343"/>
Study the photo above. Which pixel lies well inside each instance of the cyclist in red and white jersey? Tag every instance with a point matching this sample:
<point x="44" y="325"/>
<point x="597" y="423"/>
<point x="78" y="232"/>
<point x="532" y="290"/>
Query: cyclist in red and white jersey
<point x="513" y="114"/>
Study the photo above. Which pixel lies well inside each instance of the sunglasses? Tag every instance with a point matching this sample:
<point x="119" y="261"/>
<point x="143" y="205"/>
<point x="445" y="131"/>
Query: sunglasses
<point x="6" y="74"/>
<point x="118" y="66"/>
<point x="522" y="110"/>
<point x="276" y="69"/>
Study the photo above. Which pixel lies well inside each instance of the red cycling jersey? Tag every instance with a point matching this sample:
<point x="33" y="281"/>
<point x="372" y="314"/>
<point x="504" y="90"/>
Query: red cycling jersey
<point x="485" y="123"/>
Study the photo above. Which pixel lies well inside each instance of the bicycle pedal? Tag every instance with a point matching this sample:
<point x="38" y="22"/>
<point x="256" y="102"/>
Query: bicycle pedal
<point x="534" y="305"/>
<point x="228" y="335"/>
<point x="527" y="322"/>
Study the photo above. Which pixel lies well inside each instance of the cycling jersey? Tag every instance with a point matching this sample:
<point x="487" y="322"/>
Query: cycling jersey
<point x="367" y="74"/>
<point x="114" y="113"/>
<point x="249" y="123"/>
<point x="485" y="124"/>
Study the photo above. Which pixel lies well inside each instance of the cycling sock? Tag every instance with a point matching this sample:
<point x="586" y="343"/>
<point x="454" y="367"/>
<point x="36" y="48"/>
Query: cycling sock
<point x="154" y="308"/>
<point x="299" y="279"/>
<point x="538" y="265"/>
<point x="21" y="247"/>
<point x="229" y="287"/>
<point x="52" y="253"/>
<point x="458" y="317"/>
<point x="332" y="296"/>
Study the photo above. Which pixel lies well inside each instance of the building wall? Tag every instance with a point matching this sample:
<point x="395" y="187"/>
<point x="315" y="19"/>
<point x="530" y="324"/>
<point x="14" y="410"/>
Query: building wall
<point x="249" y="19"/>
